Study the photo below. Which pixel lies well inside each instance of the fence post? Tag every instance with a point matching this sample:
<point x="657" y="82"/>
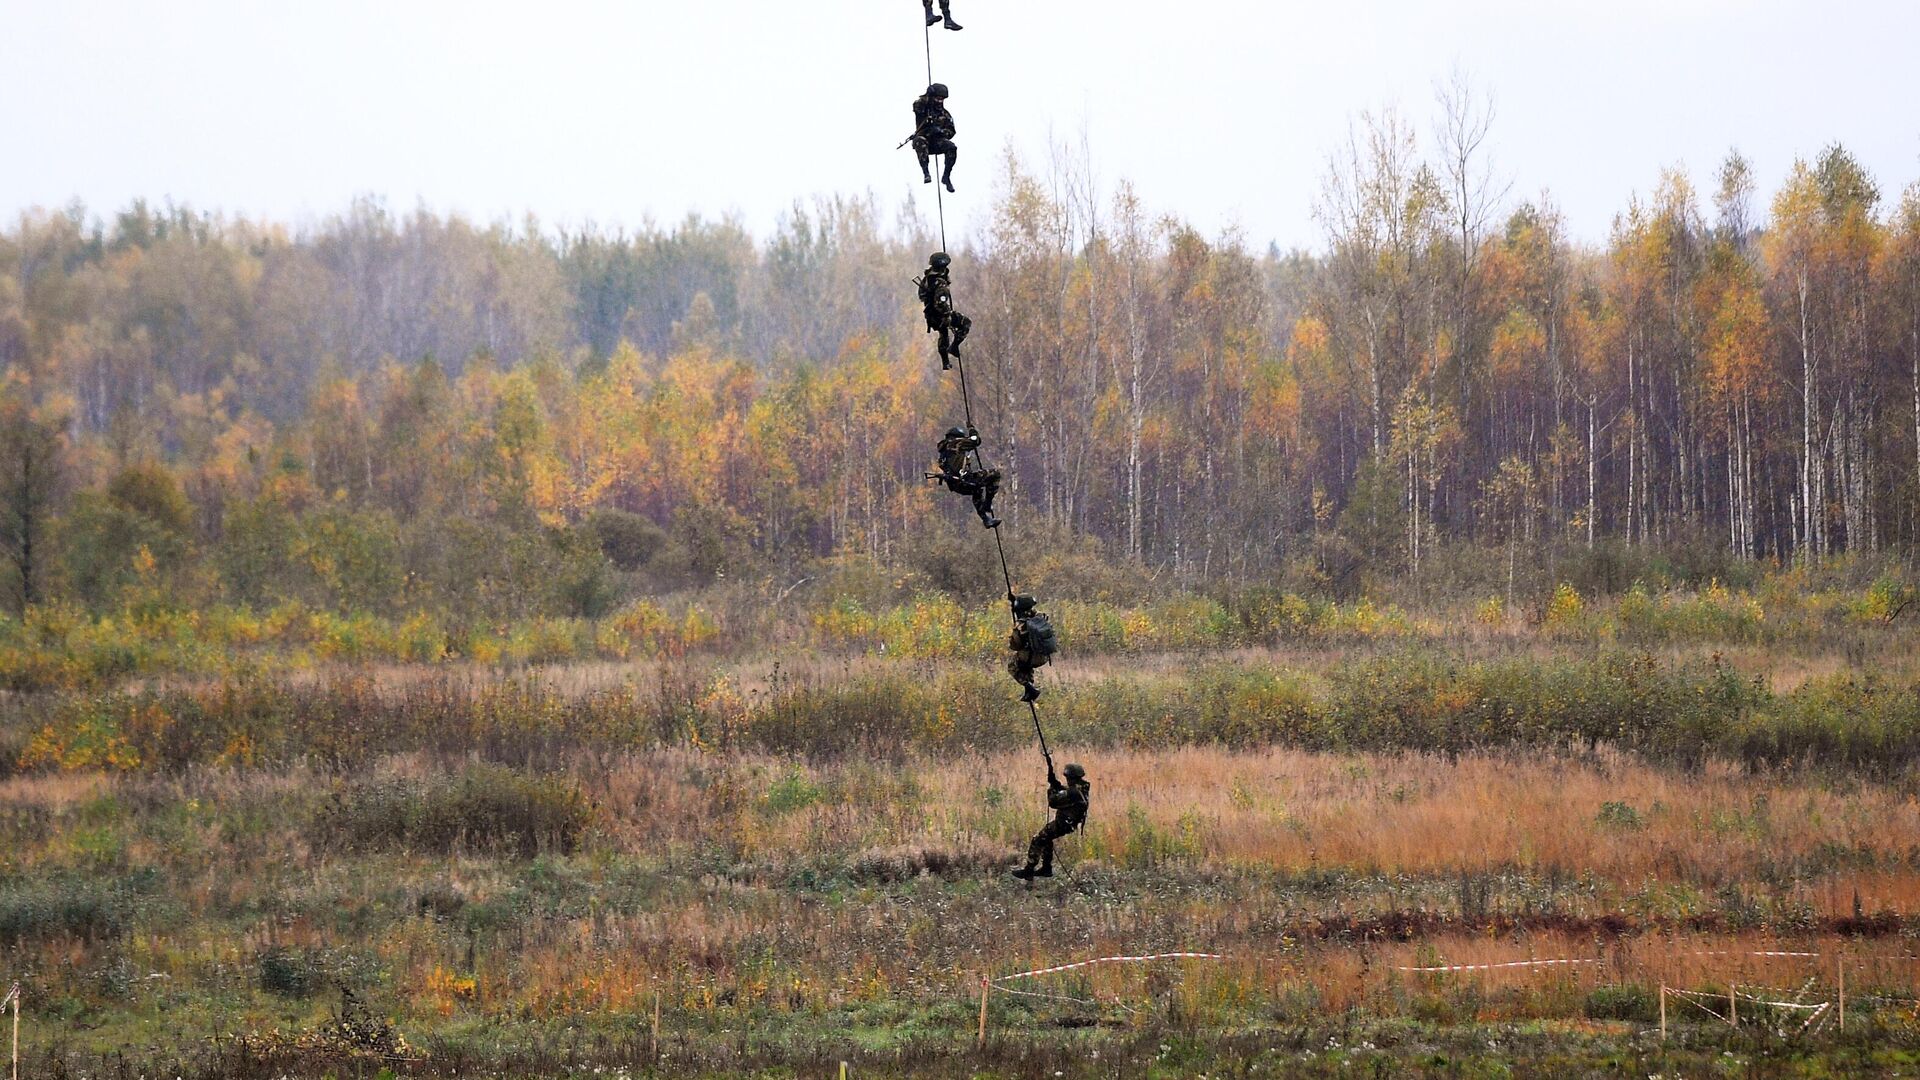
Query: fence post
<point x="1843" y="993"/>
<point x="984" y="986"/>
<point x="16" y="1031"/>
<point x="1733" y="1004"/>
<point x="1663" y="1012"/>
<point x="656" y="1024"/>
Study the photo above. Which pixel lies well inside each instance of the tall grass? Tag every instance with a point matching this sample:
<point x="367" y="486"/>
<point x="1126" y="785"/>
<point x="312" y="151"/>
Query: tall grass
<point x="1678" y="713"/>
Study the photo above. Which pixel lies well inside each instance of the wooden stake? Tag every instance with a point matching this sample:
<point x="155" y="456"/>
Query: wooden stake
<point x="843" y="1071"/>
<point x="1733" y="1005"/>
<point x="1843" y="993"/>
<point x="984" y="987"/>
<point x="1663" y="1012"/>
<point x="656" y="1025"/>
<point x="16" y="1031"/>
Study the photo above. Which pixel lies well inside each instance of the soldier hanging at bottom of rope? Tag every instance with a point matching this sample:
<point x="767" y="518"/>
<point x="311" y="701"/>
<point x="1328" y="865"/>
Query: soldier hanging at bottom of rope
<point x="936" y="302"/>
<point x="1068" y="802"/>
<point x="981" y="484"/>
<point x="946" y="13"/>
<point x="933" y="132"/>
<point x="1032" y="642"/>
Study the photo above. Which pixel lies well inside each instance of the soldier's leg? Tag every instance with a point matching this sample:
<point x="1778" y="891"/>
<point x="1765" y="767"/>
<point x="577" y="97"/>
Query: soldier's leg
<point x="931" y="17"/>
<point x="920" y="147"/>
<point x="1022" y="674"/>
<point x="988" y="485"/>
<point x="952" y="154"/>
<point x="946" y="12"/>
<point x="947" y="350"/>
<point x="1040" y="851"/>
<point x="961" y="326"/>
<point x="1053" y="831"/>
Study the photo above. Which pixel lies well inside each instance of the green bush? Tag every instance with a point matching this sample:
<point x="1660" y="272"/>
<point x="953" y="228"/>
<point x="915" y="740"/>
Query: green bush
<point x="485" y="808"/>
<point x="1622" y="1002"/>
<point x="63" y="907"/>
<point x="289" y="973"/>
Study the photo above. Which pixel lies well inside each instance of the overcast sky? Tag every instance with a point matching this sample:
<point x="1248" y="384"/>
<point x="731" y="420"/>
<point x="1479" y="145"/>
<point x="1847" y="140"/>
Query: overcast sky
<point x="1222" y="111"/>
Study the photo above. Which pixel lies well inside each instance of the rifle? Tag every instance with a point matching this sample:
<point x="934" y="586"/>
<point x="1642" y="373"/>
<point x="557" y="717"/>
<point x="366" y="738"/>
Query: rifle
<point x="916" y="132"/>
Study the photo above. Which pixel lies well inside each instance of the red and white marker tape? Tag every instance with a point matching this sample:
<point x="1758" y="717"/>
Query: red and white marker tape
<point x="1112" y="960"/>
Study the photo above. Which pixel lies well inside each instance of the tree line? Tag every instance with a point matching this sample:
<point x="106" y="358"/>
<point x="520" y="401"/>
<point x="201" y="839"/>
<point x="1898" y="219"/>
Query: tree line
<point x="390" y="410"/>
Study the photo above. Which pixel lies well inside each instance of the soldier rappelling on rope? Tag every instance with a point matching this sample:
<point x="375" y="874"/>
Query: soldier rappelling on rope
<point x="936" y="302"/>
<point x="962" y="477"/>
<point x="1068" y="802"/>
<point x="933" y="132"/>
<point x="946" y="14"/>
<point x="1032" y="645"/>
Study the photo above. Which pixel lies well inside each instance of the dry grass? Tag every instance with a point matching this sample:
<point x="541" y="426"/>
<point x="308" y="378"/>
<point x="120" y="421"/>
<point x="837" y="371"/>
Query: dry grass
<point x="763" y="891"/>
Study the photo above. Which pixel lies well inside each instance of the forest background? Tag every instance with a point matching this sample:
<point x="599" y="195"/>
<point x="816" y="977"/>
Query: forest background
<point x="436" y="431"/>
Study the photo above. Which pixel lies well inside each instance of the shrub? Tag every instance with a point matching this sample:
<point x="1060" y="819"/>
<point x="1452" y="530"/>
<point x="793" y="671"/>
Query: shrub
<point x="62" y="907"/>
<point x="1622" y="1002"/>
<point x="485" y="807"/>
<point x="289" y="973"/>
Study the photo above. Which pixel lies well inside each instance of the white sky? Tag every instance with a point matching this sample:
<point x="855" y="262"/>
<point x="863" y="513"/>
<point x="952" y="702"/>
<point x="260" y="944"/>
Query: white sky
<point x="1222" y="111"/>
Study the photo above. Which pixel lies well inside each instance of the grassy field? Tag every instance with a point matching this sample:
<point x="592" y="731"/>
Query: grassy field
<point x="449" y="915"/>
<point x="278" y="859"/>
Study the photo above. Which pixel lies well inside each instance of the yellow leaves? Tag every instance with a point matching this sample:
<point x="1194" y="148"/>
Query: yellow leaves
<point x="1519" y="344"/>
<point x="446" y="988"/>
<point x="1565" y="608"/>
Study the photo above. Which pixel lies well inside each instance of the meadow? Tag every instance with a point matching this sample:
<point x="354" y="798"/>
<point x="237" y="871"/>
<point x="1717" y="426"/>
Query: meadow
<point x="284" y="862"/>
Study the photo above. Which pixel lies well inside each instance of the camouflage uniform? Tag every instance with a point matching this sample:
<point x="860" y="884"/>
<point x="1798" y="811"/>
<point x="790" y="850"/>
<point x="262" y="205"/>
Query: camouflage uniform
<point x="980" y="484"/>
<point x="936" y="303"/>
<point x="933" y="131"/>
<point x="1068" y="802"/>
<point x="1025" y="655"/>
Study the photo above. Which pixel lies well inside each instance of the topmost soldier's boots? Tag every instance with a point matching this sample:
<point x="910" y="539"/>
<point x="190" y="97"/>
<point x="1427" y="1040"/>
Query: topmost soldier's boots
<point x="931" y="17"/>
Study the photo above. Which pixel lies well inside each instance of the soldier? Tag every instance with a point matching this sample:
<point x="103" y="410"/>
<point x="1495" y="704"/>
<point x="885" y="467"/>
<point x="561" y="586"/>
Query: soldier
<point x="981" y="484"/>
<point x="946" y="12"/>
<point x="1032" y="642"/>
<point x="936" y="302"/>
<point x="933" y="132"/>
<point x="1068" y="802"/>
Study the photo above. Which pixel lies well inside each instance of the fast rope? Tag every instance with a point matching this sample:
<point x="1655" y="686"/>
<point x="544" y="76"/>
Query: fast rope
<point x="939" y="200"/>
<point x="966" y="404"/>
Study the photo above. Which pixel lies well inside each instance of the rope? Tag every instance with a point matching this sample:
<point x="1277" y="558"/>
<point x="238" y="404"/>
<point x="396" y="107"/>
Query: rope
<point x="966" y="393"/>
<point x="939" y="199"/>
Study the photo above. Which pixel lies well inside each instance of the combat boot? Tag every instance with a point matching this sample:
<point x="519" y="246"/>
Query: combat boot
<point x="1027" y="873"/>
<point x="1030" y="695"/>
<point x="931" y="17"/>
<point x="1044" y="871"/>
<point x="951" y="25"/>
